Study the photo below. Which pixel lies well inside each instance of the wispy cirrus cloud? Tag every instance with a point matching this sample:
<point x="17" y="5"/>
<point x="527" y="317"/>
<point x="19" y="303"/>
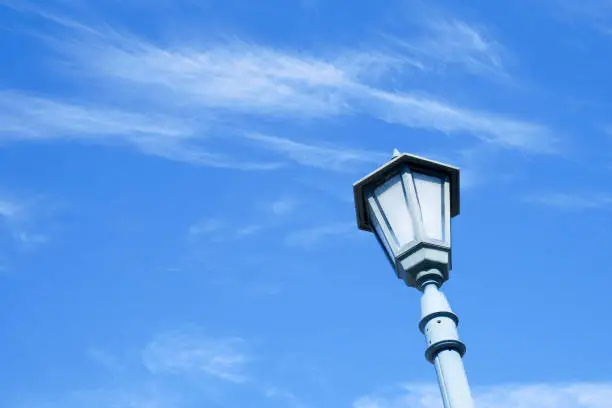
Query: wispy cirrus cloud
<point x="322" y="156"/>
<point x="191" y="352"/>
<point x="431" y="114"/>
<point x="253" y="79"/>
<point x="283" y="206"/>
<point x="249" y="230"/>
<point x="311" y="237"/>
<point x="288" y="397"/>
<point x="220" y="230"/>
<point x="19" y="220"/>
<point x="206" y="226"/>
<point x="26" y="117"/>
<point x="545" y="395"/>
<point x="230" y="81"/>
<point x="10" y="209"/>
<point x="236" y="76"/>
<point x="266" y="215"/>
<point x="451" y="43"/>
<point x="183" y="367"/>
<point x="573" y="201"/>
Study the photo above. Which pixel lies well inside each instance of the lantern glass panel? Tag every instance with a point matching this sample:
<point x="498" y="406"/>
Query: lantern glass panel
<point x="391" y="197"/>
<point x="430" y="193"/>
<point x="380" y="235"/>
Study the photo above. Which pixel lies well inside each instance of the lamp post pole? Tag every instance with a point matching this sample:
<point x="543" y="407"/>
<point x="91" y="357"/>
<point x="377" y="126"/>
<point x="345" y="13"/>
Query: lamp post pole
<point x="444" y="349"/>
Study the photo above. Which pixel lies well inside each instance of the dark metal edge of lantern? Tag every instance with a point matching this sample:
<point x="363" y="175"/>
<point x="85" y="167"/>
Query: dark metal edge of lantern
<point x="390" y="168"/>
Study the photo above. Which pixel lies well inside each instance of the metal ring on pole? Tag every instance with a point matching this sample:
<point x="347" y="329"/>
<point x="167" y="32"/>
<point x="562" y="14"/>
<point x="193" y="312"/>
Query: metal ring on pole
<point x="434" y="349"/>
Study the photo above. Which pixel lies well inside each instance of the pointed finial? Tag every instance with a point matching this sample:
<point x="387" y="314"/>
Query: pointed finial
<point x="396" y="153"/>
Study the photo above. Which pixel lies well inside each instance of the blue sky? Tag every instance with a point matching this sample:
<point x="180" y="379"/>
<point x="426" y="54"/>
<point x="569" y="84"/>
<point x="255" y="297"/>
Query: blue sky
<point x="176" y="219"/>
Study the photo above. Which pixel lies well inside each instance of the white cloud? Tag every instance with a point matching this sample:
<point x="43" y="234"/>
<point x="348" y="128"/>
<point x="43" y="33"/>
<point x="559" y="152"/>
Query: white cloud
<point x="199" y="101"/>
<point x="455" y="43"/>
<point x="31" y="239"/>
<point x="323" y="157"/>
<point x="190" y="352"/>
<point x="289" y="398"/>
<point x="25" y="117"/>
<point x="236" y="79"/>
<point x="236" y="76"/>
<point x="219" y="230"/>
<point x="10" y="209"/>
<point x="283" y="206"/>
<point x="248" y="230"/>
<point x="206" y="226"/>
<point x="19" y="219"/>
<point x="573" y="201"/>
<point x="576" y="395"/>
<point x="425" y="113"/>
<point x="247" y="78"/>
<point x="309" y="238"/>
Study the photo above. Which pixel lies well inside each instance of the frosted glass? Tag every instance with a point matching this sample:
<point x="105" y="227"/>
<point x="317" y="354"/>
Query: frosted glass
<point x="379" y="233"/>
<point x="392" y="200"/>
<point x="429" y="191"/>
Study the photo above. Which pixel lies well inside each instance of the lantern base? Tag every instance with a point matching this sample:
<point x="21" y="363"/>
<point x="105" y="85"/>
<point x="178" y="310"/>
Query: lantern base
<point x="423" y="256"/>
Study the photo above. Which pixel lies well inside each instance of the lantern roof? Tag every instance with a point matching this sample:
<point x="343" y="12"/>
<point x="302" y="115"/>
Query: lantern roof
<point x="391" y="168"/>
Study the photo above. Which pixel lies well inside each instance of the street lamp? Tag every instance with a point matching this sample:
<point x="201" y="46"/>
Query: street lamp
<point x="408" y="203"/>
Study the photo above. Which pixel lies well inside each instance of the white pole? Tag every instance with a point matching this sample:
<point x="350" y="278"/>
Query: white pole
<point x="444" y="349"/>
<point x="452" y="380"/>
